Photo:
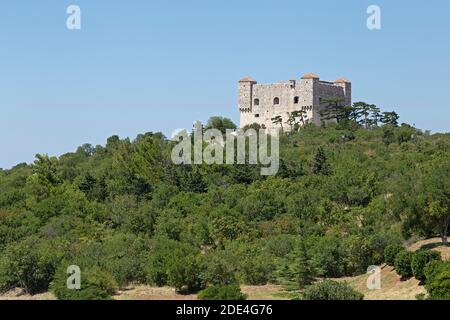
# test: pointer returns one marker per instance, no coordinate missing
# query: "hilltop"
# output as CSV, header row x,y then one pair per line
x,y
126,215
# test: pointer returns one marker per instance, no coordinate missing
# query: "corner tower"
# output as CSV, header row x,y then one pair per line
x,y
245,99
347,86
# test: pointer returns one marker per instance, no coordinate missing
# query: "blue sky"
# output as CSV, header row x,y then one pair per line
x,y
138,66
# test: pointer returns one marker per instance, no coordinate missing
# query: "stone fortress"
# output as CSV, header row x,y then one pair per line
x,y
259,103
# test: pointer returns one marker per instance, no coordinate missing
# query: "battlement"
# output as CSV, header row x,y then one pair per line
x,y
260,103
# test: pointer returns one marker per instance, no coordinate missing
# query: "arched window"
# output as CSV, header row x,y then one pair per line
x,y
296,99
256,102
276,101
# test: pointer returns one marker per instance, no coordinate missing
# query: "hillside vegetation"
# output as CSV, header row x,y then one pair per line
x,y
125,214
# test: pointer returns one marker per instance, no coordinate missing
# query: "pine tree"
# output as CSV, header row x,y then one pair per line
x,y
320,164
304,272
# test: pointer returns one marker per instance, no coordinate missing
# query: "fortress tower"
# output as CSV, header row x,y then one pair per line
x,y
259,103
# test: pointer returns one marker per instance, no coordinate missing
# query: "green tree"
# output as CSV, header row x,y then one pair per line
x,y
305,273
278,121
403,264
420,260
429,210
220,123
438,280
29,264
390,118
320,163
390,253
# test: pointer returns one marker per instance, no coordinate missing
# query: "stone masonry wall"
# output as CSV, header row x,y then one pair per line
x,y
257,101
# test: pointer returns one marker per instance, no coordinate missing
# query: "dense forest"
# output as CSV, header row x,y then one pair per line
x,y
345,193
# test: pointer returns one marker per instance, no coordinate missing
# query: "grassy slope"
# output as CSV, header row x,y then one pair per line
x,y
392,288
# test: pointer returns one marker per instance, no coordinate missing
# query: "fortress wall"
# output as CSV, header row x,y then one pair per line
x,y
266,93
325,90
308,90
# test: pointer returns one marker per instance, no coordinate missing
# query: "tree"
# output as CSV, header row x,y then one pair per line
x,y
437,190
403,264
375,116
438,280
301,114
320,163
429,207
367,114
220,123
390,118
420,260
255,126
29,264
183,273
388,135
390,252
278,120
220,268
305,274
334,110
291,122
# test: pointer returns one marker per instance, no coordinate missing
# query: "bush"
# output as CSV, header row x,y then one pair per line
x,y
227,292
125,257
220,268
174,263
403,264
328,257
95,284
420,260
256,269
438,280
184,274
331,290
29,265
390,252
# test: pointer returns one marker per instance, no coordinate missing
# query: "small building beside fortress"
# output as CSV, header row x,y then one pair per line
x,y
259,103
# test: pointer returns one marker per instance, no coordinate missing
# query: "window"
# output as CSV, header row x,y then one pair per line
x,y
256,102
256,115
276,101
296,99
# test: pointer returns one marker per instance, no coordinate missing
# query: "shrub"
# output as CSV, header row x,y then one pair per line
x,y
420,259
328,257
256,269
331,290
220,268
226,292
173,263
438,280
125,256
390,252
403,264
29,265
184,274
95,285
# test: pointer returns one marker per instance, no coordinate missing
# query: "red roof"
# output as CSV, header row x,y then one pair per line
x,y
247,79
342,80
310,76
